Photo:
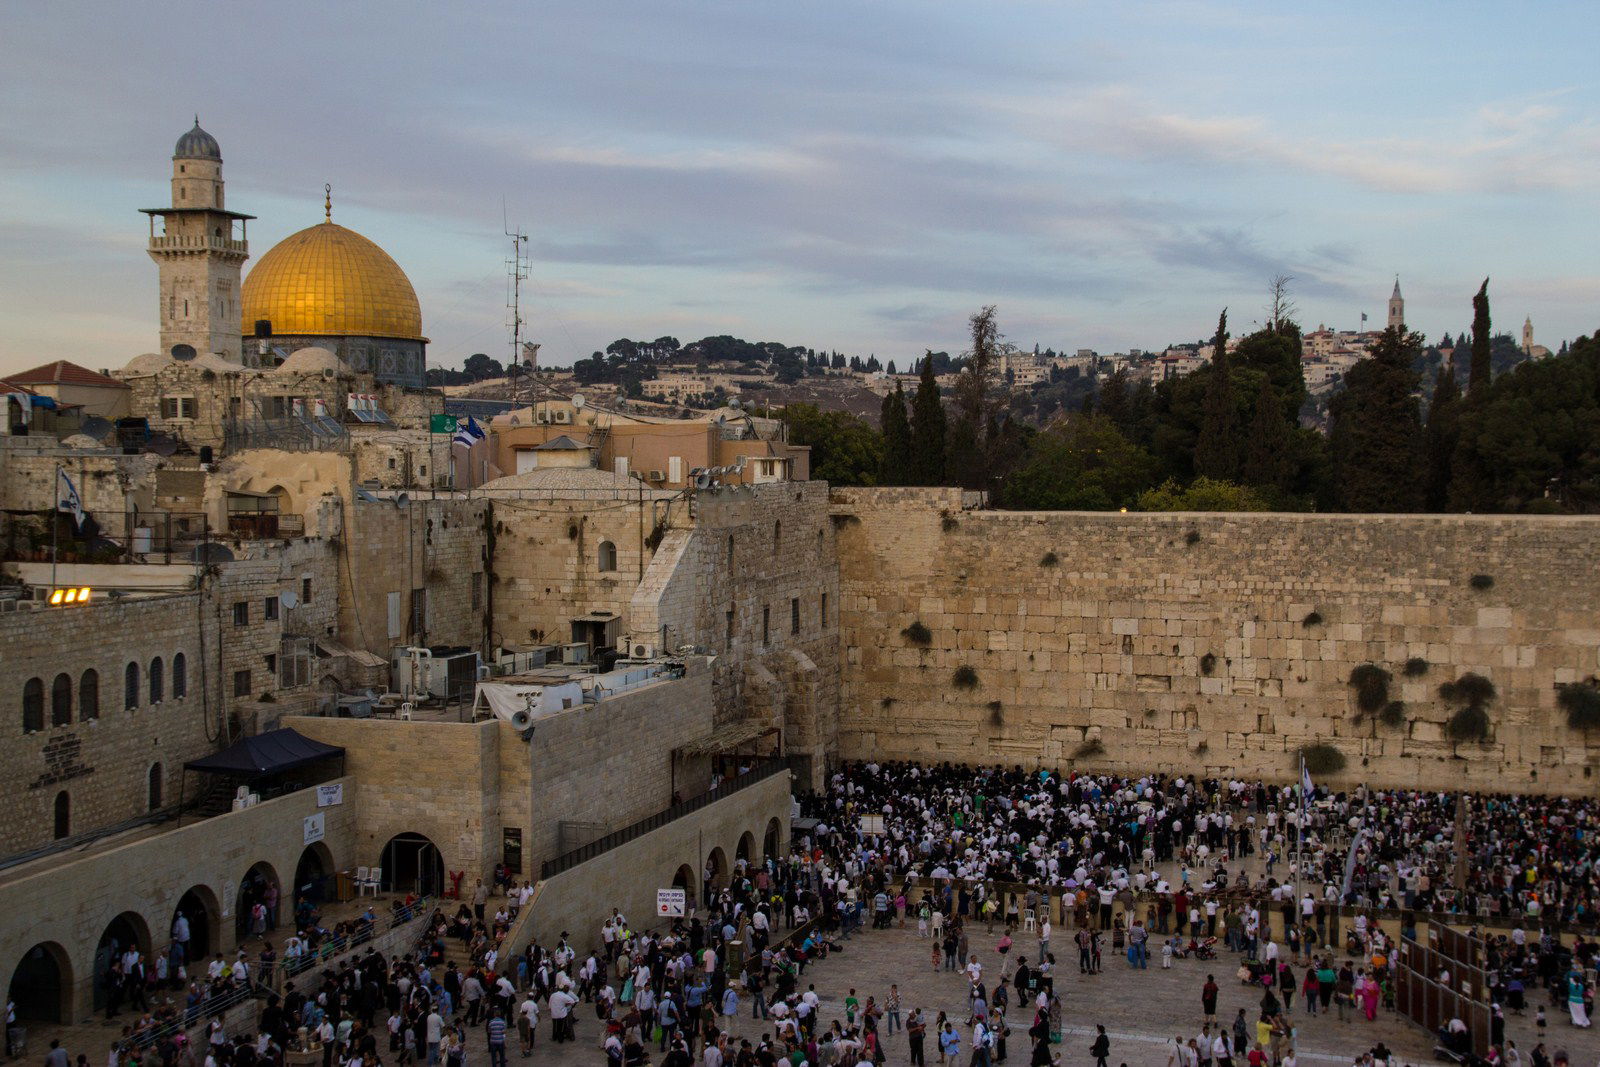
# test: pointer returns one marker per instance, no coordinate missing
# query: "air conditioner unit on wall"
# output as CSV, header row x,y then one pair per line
x,y
656,476
642,650
561,416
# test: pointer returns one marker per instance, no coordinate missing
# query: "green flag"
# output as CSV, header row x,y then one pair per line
x,y
441,424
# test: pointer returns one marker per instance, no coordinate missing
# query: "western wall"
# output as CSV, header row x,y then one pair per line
x,y
1212,643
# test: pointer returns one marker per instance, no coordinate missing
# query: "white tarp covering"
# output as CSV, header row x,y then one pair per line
x,y
505,700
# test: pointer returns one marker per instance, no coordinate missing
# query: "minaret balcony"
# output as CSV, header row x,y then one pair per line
x,y
197,243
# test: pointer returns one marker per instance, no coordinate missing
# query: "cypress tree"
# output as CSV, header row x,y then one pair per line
x,y
1216,451
1376,434
1482,368
1267,454
927,430
1114,402
896,439
1441,434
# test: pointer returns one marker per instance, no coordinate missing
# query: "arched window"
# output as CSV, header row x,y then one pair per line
x,y
89,696
61,701
608,556
777,534
130,687
33,705
180,677
63,815
155,787
157,681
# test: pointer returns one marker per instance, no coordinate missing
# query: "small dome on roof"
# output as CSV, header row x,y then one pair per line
x,y
312,361
197,144
148,363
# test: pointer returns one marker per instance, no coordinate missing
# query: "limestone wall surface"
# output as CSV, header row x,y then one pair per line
x,y
1215,643
577,901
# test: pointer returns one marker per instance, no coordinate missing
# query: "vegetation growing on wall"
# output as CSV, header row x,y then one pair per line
x,y
964,677
917,634
1322,758
1581,702
1371,683
1470,722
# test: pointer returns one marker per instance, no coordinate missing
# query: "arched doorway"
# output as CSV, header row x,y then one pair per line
x,y
201,921
684,879
41,986
258,886
715,873
412,864
127,932
747,845
311,875
772,841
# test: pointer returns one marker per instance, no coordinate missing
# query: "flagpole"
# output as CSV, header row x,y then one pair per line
x,y
55,526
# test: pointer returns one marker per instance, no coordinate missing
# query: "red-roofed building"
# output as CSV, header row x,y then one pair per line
x,y
67,383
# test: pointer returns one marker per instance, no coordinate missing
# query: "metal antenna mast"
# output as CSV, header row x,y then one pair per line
x,y
516,274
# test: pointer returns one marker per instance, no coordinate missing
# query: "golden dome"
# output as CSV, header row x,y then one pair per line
x,y
332,282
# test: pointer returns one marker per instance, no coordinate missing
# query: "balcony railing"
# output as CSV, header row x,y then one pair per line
x,y
196,243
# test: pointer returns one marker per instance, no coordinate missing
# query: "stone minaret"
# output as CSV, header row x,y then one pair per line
x,y
1397,306
198,253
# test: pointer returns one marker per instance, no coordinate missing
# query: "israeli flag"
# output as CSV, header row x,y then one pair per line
x,y
67,498
470,434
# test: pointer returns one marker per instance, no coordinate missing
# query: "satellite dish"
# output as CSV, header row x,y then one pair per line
x,y
211,552
289,598
733,402
162,445
98,428
702,481
183,353
578,401
401,500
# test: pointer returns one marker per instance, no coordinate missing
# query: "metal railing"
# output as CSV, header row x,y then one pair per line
x,y
569,860
333,947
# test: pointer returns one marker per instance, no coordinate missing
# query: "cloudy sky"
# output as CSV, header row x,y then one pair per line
x,y
858,175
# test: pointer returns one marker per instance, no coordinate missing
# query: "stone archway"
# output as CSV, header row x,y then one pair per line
x,y
202,921
715,873
412,864
684,879
311,875
260,885
41,986
772,840
127,931
746,848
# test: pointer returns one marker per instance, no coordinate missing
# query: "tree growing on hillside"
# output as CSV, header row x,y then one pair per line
x,y
1376,434
844,449
927,429
1482,364
970,462
1441,436
1081,463
1266,459
1216,452
896,428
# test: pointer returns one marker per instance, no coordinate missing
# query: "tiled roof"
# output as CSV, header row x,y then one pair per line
x,y
61,372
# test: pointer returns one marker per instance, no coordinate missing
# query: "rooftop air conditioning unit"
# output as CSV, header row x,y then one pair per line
x,y
642,650
541,417
561,416
656,476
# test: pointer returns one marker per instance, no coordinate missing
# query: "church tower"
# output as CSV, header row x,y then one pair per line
x,y
198,253
1397,306
1527,336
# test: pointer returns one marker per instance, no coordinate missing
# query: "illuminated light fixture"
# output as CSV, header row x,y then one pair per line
x,y
55,597
83,595
71,596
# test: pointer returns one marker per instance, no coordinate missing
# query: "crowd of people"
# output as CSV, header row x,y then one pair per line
x,y
1140,872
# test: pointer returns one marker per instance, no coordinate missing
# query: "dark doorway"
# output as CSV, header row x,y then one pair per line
x,y
311,874
201,916
412,864
127,931
258,886
41,986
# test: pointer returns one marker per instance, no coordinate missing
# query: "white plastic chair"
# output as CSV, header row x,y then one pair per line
x,y
1030,922
372,881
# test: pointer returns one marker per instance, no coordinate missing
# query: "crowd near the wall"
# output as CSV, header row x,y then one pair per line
x,y
1141,871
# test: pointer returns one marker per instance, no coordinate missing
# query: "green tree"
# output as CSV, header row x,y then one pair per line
x,y
1482,363
896,426
1441,436
1267,457
845,450
1114,402
1203,494
1532,441
479,366
927,429
1376,429
1276,353
1216,452
968,462
1081,463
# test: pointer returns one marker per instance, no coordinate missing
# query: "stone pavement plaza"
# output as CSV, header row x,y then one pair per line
x,y
1141,1010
